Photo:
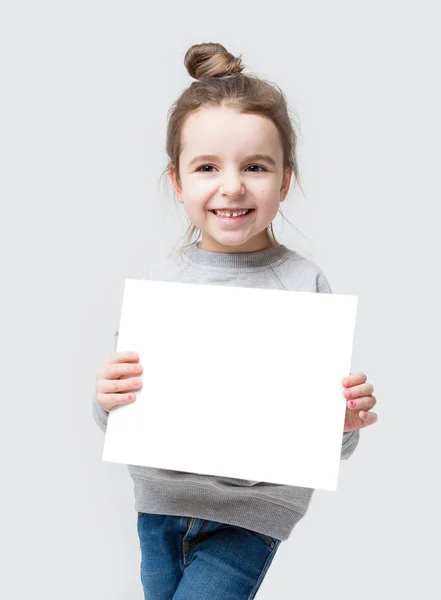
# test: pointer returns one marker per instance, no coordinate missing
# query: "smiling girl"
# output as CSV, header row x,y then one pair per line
x,y
232,156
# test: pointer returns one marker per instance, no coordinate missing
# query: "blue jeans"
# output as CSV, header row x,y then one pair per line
x,y
185,558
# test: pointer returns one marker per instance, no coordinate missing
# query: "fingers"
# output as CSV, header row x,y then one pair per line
x,y
122,370
115,386
363,406
364,403
369,418
121,357
110,401
359,390
118,380
119,365
354,379
115,392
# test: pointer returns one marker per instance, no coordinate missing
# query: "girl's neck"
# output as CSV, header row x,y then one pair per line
x,y
211,245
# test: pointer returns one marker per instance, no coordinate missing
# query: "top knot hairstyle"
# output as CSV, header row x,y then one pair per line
x,y
220,82
211,60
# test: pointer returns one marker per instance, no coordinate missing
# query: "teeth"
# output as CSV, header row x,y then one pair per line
x,y
228,214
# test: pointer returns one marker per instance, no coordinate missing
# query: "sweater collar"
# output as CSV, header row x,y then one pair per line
x,y
259,258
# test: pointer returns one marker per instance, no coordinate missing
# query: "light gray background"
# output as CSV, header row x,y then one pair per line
x,y
85,91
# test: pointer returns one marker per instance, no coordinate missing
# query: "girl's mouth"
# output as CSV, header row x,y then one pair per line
x,y
238,219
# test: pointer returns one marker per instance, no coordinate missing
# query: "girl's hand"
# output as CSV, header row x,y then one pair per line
x,y
359,398
118,379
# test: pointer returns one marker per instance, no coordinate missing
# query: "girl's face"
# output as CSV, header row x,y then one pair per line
x,y
220,169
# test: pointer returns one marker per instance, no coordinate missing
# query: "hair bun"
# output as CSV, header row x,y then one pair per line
x,y
211,60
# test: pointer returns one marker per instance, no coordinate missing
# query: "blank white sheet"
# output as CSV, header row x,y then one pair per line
x,y
237,382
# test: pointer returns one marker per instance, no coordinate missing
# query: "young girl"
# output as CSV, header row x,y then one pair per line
x,y
232,152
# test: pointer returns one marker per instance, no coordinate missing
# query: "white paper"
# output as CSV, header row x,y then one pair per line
x,y
237,382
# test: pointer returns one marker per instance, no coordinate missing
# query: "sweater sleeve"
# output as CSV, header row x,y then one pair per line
x,y
351,438
350,442
99,414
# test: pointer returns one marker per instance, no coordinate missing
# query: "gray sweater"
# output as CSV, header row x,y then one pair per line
x,y
267,508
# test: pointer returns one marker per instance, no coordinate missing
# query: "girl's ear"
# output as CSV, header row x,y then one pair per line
x,y
172,175
285,183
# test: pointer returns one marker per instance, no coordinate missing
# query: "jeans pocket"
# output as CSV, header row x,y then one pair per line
x,y
271,542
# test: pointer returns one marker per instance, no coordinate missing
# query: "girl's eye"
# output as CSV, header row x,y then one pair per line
x,y
203,167
211,166
258,166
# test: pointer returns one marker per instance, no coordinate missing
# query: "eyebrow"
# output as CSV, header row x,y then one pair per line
x,y
203,157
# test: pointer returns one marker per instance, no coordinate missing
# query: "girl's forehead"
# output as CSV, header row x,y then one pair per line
x,y
225,114
225,127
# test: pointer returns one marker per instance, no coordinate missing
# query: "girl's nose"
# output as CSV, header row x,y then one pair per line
x,y
233,187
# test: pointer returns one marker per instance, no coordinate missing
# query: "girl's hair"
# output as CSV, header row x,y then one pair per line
x,y
209,64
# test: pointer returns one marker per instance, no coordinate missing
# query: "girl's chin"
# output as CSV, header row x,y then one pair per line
x,y
232,241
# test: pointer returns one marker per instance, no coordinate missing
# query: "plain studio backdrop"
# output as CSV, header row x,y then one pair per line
x,y
85,91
